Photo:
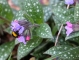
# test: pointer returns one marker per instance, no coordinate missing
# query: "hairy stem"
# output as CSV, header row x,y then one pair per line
x,y
58,34
4,19
6,23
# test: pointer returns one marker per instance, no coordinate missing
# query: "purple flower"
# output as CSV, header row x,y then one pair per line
x,y
21,39
18,28
21,30
69,28
15,26
69,2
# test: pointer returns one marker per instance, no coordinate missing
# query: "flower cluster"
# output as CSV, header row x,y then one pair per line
x,y
18,28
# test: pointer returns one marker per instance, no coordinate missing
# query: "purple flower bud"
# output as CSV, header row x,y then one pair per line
x,y
69,28
69,2
27,38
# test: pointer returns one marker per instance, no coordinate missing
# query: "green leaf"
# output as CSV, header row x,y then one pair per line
x,y
65,52
73,35
75,40
32,8
6,49
44,31
5,11
38,52
76,12
50,58
47,12
53,2
29,18
18,15
24,50
54,30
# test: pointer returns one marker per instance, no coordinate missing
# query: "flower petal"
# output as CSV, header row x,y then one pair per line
x,y
69,24
69,30
69,2
21,39
15,26
21,30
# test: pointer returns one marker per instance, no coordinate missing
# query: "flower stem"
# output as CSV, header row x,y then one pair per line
x,y
68,6
58,35
4,19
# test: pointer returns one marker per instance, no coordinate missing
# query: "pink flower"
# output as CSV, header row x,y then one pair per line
x,y
27,38
69,28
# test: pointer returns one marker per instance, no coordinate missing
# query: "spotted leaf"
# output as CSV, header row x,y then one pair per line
x,y
47,12
5,11
32,8
18,15
44,31
75,39
24,50
6,49
64,52
76,11
48,9
73,35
